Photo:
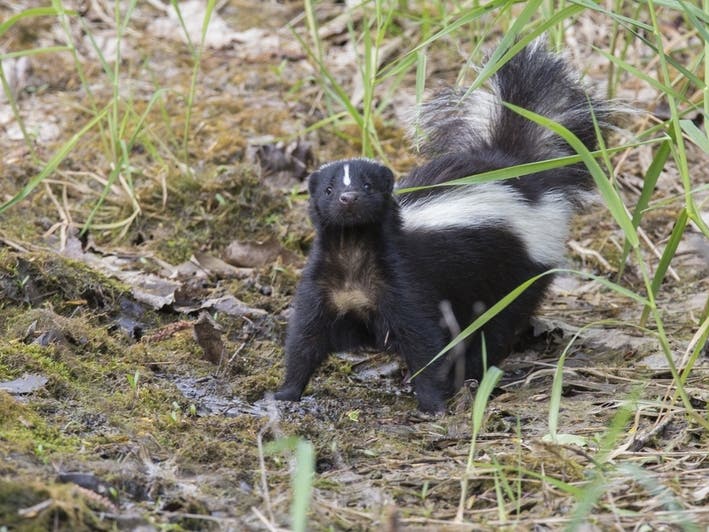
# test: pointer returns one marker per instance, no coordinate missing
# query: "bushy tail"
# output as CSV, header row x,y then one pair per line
x,y
535,79
468,134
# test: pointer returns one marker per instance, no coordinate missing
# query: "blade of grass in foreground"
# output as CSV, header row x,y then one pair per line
x,y
495,62
679,152
33,12
301,478
666,258
468,16
694,133
557,385
302,485
482,396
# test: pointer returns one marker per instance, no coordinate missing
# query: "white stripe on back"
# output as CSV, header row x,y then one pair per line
x,y
542,225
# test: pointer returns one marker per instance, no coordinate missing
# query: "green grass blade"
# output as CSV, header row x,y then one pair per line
x,y
33,12
541,29
469,15
482,397
619,17
699,25
674,4
636,72
515,293
556,389
667,256
302,485
520,170
330,84
36,51
649,182
679,151
557,384
698,342
495,62
695,134
197,61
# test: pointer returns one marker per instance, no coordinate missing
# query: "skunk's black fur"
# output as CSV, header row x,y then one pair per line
x,y
379,269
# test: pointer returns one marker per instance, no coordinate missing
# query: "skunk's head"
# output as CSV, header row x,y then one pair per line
x,y
350,192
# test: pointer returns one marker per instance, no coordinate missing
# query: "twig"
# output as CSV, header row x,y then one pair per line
x,y
32,511
586,252
14,245
263,519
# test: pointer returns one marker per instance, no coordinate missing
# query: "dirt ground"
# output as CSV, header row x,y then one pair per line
x,y
135,357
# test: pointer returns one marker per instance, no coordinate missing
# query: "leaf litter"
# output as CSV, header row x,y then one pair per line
x,y
139,366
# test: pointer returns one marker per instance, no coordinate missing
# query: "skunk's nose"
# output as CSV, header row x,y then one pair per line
x,y
348,198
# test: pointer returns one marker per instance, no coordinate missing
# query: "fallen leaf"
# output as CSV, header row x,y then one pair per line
x,y
208,335
218,268
253,254
227,304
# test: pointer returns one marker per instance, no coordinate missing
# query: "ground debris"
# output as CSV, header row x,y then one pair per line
x,y
285,165
26,384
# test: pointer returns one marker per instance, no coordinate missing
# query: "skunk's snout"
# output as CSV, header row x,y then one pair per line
x,y
348,198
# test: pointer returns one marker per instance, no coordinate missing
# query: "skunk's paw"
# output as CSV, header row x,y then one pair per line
x,y
287,393
431,404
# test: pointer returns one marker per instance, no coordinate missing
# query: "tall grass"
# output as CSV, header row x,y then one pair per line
x,y
116,122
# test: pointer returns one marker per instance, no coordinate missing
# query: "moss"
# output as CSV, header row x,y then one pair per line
x,y
31,506
26,430
209,210
10,410
217,440
16,496
65,283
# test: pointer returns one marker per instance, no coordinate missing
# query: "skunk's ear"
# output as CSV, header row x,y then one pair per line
x,y
313,182
387,179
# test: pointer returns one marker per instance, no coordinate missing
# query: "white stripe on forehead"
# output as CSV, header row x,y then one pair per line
x,y
346,176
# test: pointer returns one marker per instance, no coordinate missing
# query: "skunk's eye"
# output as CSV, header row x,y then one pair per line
x,y
367,187
328,190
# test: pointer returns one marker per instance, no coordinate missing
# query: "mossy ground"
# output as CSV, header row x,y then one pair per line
x,y
175,439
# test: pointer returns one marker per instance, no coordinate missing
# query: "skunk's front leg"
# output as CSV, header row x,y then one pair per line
x,y
432,385
307,344
418,338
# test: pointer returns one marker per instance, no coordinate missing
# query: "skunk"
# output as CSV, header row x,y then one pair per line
x,y
380,267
